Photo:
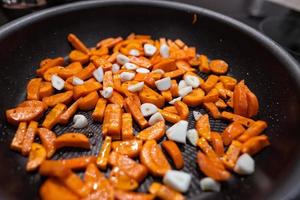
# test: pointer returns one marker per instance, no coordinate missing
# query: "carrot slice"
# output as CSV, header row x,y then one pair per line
x,y
218,66
147,95
115,121
17,141
174,88
45,90
91,176
99,52
255,129
141,61
228,82
175,73
70,70
212,96
203,127
52,71
255,144
169,116
171,109
166,64
253,104
182,109
153,158
116,98
52,117
124,195
237,118
213,110
75,184
103,155
221,104
37,155
165,193
29,137
231,132
183,65
78,56
86,88
240,103
217,143
89,101
59,61
232,154
210,82
127,129
167,95
120,180
130,148
72,140
108,79
174,152
133,169
204,65
67,114
154,132
98,113
47,138
134,109
77,43
194,98
33,88
65,98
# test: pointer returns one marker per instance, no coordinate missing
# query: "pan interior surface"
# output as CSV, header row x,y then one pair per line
x,y
270,74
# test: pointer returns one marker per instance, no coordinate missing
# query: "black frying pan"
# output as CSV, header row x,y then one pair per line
x,y
269,71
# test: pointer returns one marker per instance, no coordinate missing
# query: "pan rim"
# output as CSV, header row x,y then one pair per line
x,y
288,189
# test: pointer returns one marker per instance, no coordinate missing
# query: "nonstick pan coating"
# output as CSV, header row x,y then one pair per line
x,y
267,69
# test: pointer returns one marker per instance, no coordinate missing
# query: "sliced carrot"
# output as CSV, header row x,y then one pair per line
x,y
130,148
45,90
86,88
33,88
213,110
167,95
52,117
210,169
70,70
218,66
237,118
183,65
101,61
154,132
77,43
116,98
233,131
169,116
255,129
78,56
133,169
120,180
204,65
67,114
37,155
17,141
228,82
212,96
240,102
153,158
135,111
222,91
210,82
109,42
59,61
203,127
209,152
117,83
141,61
221,104
252,101
98,113
99,52
29,137
75,184
194,98
115,121
182,109
217,143
89,101
65,98
91,177
84,74
232,154
52,71
174,152
48,139
175,73
124,195
106,120
150,79
108,79
72,140
127,129
255,144
103,155
166,64
174,88
53,188
165,193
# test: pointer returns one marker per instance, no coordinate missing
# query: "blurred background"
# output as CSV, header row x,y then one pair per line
x,y
278,19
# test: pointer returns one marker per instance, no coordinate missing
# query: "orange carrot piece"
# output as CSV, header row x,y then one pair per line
x,y
37,155
108,79
85,73
92,176
70,70
127,129
237,118
45,90
228,82
100,52
116,98
47,138
89,101
98,113
217,143
78,56
210,82
120,180
169,116
115,121
194,98
255,129
33,88
174,152
52,71
240,103
255,144
221,104
77,43
109,42
135,111
52,117
232,154
171,109
68,114
165,193
59,61
154,132
105,124
174,88
75,184
209,152
29,137
233,131
166,64
65,98
104,152
203,127
141,61
86,88
72,140
252,101
175,73
182,109
130,148
213,110
167,95
17,141
212,96
218,66
183,65
204,65
124,195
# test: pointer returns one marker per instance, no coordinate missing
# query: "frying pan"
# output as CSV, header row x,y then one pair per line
x,y
268,70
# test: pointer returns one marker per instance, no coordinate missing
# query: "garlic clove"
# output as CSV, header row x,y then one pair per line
x,y
178,131
77,81
149,49
178,180
163,84
185,91
192,81
127,76
173,101
98,74
122,59
57,82
80,121
136,87
107,92
192,136
148,109
156,117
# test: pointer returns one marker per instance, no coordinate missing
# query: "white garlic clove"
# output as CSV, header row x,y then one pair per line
x,y
164,51
142,70
177,180
197,115
185,91
192,136
192,81
130,66
127,76
148,109
136,87
245,165
98,74
80,121
77,81
122,59
158,71
182,84
57,82
134,52
156,117
209,184
178,131
149,49
163,84
115,68
107,92
173,101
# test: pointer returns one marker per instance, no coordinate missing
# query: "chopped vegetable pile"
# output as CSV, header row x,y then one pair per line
x,y
144,81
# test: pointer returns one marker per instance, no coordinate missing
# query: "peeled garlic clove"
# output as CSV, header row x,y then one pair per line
x,y
77,81
178,180
192,81
98,74
182,84
115,68
164,51
122,59
107,92
178,131
149,49
148,109
134,52
192,136
157,117
136,87
130,66
245,165
185,91
80,121
142,70
163,84
158,71
209,184
57,82
173,101
127,76
197,115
